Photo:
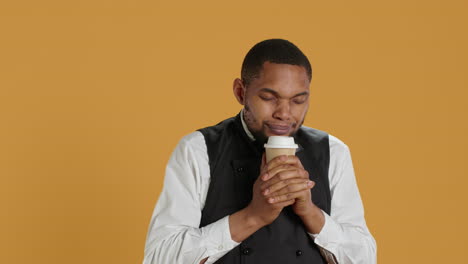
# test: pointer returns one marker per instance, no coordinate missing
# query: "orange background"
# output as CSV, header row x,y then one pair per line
x,y
94,96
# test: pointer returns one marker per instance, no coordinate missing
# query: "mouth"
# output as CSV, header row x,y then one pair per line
x,y
279,130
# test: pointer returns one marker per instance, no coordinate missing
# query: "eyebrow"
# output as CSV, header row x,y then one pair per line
x,y
268,90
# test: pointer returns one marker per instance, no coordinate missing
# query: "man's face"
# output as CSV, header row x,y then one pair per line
x,y
277,101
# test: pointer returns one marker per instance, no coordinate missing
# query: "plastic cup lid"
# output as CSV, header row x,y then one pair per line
x,y
280,142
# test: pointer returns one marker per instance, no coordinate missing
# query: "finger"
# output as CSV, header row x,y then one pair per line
x,y
287,197
276,184
276,161
278,169
291,188
271,173
280,160
286,186
290,159
285,203
280,176
284,175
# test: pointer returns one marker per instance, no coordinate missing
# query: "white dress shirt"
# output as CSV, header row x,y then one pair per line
x,y
174,235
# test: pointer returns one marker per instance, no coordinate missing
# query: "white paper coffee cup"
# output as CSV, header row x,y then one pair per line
x,y
279,145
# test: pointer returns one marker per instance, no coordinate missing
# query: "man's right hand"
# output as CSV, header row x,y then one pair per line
x,y
258,213
260,208
262,211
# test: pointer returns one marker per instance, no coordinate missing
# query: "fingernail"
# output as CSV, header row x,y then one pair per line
x,y
310,183
267,191
265,176
271,200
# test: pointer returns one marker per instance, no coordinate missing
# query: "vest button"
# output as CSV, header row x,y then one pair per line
x,y
240,169
246,251
299,253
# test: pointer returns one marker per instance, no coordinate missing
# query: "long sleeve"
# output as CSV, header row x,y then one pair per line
x,y
345,238
174,235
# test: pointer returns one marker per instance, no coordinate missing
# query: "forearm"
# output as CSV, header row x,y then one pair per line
x,y
242,224
338,242
175,249
188,244
349,243
314,220
345,233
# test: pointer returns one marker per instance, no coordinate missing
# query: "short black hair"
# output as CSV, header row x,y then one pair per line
x,y
278,51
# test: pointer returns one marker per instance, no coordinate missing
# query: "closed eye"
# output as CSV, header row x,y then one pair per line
x,y
299,101
266,98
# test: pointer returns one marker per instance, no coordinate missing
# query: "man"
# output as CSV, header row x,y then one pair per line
x,y
221,201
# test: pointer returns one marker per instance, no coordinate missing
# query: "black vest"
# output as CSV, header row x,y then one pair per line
x,y
235,165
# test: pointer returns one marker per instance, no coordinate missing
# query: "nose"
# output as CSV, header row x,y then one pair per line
x,y
282,111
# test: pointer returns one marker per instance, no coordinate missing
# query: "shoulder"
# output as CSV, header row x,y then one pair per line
x,y
191,153
310,135
194,141
313,132
340,154
336,144
217,130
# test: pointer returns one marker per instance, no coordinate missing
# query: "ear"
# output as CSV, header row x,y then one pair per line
x,y
239,90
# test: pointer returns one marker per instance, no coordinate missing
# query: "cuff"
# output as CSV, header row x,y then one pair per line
x,y
327,239
329,235
219,240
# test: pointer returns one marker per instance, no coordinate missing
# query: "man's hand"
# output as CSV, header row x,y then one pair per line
x,y
282,182
261,205
259,213
287,179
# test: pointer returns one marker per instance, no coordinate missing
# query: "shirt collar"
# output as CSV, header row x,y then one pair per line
x,y
244,125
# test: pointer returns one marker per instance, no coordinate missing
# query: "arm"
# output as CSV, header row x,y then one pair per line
x,y
174,235
344,235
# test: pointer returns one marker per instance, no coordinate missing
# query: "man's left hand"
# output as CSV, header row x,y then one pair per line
x,y
287,179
